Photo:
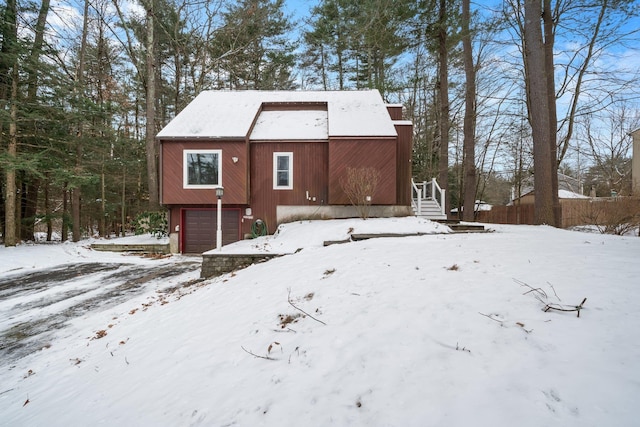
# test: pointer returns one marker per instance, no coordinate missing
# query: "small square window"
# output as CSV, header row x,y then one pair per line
x,y
282,171
202,168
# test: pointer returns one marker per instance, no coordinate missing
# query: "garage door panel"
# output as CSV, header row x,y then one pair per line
x,y
200,225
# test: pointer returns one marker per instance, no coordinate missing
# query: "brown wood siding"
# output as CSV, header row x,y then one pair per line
x,y
395,111
174,218
309,174
356,153
234,175
199,228
404,155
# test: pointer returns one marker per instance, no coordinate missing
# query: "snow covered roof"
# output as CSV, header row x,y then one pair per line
x,y
480,206
566,194
230,114
288,124
562,194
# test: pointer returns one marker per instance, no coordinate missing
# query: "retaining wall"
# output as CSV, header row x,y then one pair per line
x,y
217,264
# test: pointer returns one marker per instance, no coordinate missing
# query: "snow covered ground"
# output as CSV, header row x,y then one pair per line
x,y
434,330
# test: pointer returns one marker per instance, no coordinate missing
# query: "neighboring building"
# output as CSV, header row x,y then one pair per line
x,y
480,206
279,156
529,198
566,183
635,163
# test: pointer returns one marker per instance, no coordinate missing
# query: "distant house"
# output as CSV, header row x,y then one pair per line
x,y
529,197
279,156
566,184
480,206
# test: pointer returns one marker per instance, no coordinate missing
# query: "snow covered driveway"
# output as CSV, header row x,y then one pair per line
x,y
35,304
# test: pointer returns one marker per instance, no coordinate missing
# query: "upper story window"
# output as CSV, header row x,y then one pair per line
x,y
282,171
202,168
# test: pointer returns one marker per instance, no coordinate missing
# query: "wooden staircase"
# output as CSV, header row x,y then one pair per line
x,y
428,200
429,209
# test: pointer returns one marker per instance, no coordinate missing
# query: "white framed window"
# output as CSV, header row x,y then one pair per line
x,y
282,171
202,168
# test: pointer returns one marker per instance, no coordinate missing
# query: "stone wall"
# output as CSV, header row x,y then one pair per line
x,y
217,264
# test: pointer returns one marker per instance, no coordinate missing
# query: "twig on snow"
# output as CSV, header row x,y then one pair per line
x,y
257,355
557,307
541,296
489,316
554,291
462,349
301,310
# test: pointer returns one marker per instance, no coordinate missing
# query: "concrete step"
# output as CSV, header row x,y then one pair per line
x,y
458,227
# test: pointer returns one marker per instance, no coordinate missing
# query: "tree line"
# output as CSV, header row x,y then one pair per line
x,y
496,93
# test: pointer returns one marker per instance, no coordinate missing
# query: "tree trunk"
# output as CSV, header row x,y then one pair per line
x,y
534,56
64,235
29,204
549,41
151,146
10,238
443,96
123,209
76,194
103,206
47,208
9,67
75,214
469,146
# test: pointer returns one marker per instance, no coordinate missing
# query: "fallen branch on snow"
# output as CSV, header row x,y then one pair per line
x,y
257,355
301,310
558,307
541,296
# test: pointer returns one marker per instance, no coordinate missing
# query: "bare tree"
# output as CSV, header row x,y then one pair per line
x,y
609,147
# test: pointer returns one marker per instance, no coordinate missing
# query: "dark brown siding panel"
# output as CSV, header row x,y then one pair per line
x,y
309,176
174,218
234,174
405,150
395,111
376,153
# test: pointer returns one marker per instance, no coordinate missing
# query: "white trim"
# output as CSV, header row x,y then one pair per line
x,y
185,169
275,171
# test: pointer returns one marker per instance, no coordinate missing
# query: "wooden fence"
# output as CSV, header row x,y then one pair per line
x,y
601,211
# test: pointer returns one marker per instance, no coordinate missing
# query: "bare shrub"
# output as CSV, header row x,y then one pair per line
x,y
360,185
618,215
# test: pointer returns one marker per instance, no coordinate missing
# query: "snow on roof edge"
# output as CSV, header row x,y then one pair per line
x,y
214,113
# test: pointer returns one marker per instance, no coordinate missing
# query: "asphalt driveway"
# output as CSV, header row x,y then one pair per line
x,y
33,306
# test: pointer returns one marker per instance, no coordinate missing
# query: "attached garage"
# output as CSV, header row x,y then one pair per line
x,y
199,229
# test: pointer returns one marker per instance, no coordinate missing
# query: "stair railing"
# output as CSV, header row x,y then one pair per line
x,y
427,190
435,189
416,196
